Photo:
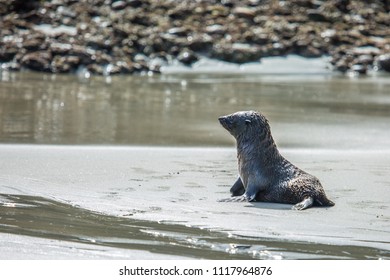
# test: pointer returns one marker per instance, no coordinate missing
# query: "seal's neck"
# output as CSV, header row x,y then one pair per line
x,y
262,149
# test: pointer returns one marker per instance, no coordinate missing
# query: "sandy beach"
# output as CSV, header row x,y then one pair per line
x,y
182,185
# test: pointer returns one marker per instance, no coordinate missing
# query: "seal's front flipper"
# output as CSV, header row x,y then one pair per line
x,y
241,198
237,188
304,204
250,197
251,192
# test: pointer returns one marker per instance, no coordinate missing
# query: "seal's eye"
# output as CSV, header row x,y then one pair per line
x,y
247,121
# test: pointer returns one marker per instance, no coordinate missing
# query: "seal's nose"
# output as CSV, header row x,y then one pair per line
x,y
224,121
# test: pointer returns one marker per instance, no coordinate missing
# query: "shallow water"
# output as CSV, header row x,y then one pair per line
x,y
315,111
336,112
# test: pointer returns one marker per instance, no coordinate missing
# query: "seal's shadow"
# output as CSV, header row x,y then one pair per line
x,y
269,205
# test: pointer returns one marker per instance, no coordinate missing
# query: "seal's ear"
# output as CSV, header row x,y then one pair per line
x,y
247,121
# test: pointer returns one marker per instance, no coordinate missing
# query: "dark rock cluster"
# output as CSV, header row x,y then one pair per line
x,y
126,36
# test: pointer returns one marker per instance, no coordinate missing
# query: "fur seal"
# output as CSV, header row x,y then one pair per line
x,y
265,175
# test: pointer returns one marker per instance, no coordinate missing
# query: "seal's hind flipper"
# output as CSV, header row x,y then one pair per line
x,y
322,200
304,204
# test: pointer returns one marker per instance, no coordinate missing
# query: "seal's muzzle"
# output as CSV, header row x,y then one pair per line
x,y
225,122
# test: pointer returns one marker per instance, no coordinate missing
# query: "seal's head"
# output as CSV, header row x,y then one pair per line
x,y
245,123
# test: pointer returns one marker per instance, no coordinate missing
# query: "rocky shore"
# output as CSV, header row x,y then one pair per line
x,y
128,36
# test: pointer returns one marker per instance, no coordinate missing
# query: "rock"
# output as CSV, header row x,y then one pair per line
x,y
178,31
342,5
365,59
11,66
359,68
310,52
99,42
277,48
228,3
22,24
155,66
200,43
141,58
60,48
329,35
365,51
118,5
66,12
107,35
282,9
215,29
7,53
258,36
179,13
236,53
22,5
33,44
95,69
244,12
86,55
122,30
64,64
383,62
341,65
135,3
218,11
125,67
140,66
187,57
39,61
111,69
316,15
142,20
103,58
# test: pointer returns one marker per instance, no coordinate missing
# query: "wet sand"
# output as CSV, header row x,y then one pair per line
x,y
182,186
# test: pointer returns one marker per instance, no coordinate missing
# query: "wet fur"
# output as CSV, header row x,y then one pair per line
x,y
265,175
